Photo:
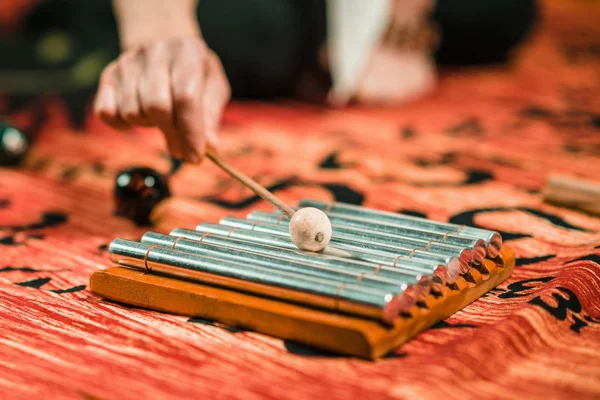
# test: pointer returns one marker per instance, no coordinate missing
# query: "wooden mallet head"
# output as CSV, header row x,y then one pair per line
x,y
310,229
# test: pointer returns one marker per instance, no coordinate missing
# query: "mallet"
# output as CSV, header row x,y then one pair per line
x,y
310,228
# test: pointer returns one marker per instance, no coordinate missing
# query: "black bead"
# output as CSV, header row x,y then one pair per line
x,y
137,191
13,145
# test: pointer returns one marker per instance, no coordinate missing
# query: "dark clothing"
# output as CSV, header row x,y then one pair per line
x,y
266,46
481,31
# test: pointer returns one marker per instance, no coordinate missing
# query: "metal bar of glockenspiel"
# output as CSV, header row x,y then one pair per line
x,y
275,263
446,269
477,246
409,270
347,298
464,255
420,284
363,246
276,244
492,239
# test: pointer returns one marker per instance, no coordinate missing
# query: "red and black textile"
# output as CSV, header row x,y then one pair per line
x,y
476,152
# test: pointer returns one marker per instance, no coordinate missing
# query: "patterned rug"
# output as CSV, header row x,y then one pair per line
x,y
477,152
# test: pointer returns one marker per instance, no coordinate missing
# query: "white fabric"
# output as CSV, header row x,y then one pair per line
x,y
355,28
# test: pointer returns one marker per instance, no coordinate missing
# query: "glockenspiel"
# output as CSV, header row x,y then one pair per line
x,y
384,278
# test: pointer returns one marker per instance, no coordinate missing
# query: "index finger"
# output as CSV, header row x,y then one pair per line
x,y
188,80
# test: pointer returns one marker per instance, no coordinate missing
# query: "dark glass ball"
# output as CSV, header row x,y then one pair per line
x,y
137,191
13,145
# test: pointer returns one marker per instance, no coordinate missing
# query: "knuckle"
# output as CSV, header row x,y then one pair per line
x,y
105,114
186,98
187,87
129,112
158,105
220,97
129,56
127,65
185,73
226,90
222,90
142,53
199,48
100,108
126,98
190,49
223,84
110,119
154,51
214,59
177,45
106,77
129,116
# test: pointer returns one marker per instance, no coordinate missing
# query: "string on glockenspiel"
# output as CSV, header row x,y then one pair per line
x,y
300,288
281,248
448,268
476,247
365,232
345,234
385,268
411,268
492,239
268,261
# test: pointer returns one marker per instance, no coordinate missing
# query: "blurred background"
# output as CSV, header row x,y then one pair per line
x,y
61,46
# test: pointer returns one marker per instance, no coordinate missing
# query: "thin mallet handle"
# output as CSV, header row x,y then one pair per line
x,y
252,184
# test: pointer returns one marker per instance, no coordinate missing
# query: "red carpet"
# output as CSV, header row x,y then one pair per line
x,y
477,152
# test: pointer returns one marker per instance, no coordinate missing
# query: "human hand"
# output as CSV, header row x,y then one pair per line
x,y
177,85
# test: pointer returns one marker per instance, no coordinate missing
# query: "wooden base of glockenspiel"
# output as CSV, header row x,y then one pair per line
x,y
337,333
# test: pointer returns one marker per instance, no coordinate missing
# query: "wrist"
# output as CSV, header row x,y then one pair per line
x,y
135,35
153,20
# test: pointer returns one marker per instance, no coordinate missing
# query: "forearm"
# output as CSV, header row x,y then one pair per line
x,y
142,21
